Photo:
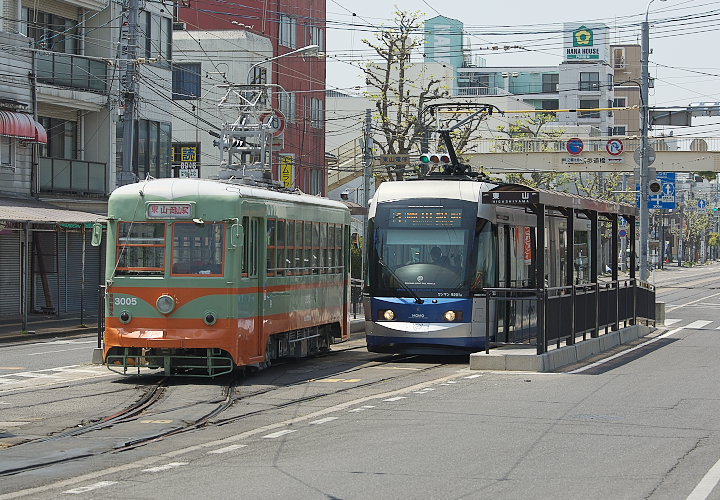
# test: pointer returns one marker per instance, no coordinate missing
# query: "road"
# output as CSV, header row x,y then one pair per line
x,y
642,424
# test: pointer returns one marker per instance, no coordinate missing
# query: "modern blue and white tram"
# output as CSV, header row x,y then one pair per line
x,y
432,247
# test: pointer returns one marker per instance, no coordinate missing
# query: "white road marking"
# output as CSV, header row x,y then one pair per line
x,y
706,484
232,447
473,376
396,398
698,324
58,350
85,489
362,408
161,468
670,322
4,380
278,434
323,420
34,375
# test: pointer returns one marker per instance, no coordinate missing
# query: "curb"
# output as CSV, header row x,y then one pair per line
x,y
18,337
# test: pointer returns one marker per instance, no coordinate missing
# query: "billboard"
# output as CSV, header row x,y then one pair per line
x,y
589,42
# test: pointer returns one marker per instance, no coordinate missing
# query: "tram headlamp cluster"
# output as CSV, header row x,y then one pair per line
x,y
388,314
453,316
125,317
165,304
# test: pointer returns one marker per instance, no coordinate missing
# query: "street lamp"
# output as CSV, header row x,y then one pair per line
x,y
307,50
645,153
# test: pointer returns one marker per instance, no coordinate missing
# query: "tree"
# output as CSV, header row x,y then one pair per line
x,y
401,92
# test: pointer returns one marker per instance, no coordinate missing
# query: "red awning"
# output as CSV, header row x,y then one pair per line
x,y
22,126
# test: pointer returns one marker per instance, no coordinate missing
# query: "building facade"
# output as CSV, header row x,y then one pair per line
x,y
289,27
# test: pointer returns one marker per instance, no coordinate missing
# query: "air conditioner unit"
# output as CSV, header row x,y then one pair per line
x,y
179,26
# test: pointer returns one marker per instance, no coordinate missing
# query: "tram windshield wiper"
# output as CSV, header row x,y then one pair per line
x,y
418,300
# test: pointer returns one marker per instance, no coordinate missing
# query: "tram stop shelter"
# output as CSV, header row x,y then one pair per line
x,y
576,310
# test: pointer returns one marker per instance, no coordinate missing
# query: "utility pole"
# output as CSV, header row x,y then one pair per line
x,y
644,156
129,88
367,176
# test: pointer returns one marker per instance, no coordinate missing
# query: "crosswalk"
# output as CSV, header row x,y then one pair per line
x,y
51,376
698,324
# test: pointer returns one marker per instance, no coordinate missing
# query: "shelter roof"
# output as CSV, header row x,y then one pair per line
x,y
39,212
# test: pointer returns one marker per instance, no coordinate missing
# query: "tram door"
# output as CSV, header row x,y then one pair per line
x,y
517,316
251,295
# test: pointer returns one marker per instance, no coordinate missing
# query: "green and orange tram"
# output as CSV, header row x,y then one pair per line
x,y
206,276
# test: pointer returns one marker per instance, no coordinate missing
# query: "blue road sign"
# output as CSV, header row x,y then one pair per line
x,y
622,221
574,146
665,200
622,233
702,204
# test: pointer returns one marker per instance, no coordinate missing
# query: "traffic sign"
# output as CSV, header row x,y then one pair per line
x,y
574,146
274,121
396,159
622,221
622,233
665,199
702,204
637,156
614,147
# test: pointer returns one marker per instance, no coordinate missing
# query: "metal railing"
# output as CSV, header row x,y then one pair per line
x,y
592,144
543,317
76,72
58,175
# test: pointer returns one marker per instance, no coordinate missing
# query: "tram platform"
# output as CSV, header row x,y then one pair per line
x,y
525,357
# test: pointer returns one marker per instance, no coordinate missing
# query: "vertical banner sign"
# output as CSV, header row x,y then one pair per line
x,y
287,170
527,241
186,160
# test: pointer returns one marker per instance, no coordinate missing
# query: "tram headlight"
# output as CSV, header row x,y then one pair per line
x,y
209,318
165,304
388,314
450,316
125,317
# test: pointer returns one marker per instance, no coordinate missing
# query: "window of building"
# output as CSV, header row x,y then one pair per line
x,y
6,150
618,57
288,31
258,76
186,81
317,37
153,150
610,105
619,130
156,36
62,138
550,82
620,102
287,106
589,104
589,81
317,119
50,32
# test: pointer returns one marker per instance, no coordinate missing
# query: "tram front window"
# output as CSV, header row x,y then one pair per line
x,y
424,250
140,248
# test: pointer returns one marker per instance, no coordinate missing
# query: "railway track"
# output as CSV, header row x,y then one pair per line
x,y
166,401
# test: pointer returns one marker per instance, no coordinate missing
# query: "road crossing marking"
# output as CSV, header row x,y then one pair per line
x,y
706,484
323,420
698,324
232,447
669,322
85,489
161,468
278,434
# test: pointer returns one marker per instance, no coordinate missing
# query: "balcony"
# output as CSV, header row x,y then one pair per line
x,y
70,71
470,91
58,175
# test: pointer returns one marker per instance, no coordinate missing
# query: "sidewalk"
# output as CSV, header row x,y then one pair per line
x,y
42,327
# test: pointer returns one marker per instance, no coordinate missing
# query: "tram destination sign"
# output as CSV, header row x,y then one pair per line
x,y
510,198
167,210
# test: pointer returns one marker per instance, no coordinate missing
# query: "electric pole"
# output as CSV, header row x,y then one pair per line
x,y
129,88
644,153
367,176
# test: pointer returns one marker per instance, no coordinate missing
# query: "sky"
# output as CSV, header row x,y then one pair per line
x,y
684,38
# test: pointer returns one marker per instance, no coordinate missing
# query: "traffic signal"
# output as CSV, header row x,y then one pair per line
x,y
435,158
654,186
715,210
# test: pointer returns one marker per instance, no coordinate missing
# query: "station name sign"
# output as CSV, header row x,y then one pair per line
x,y
518,198
164,210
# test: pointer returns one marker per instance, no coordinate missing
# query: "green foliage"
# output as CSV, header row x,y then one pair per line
x,y
714,240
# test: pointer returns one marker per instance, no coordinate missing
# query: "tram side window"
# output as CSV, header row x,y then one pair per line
x,y
140,248
322,253
198,249
487,258
271,235
339,237
308,248
330,248
298,247
281,248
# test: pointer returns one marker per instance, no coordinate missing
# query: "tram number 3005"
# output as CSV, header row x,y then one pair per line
x,y
125,301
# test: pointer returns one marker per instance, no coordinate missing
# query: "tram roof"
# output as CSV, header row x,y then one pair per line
x,y
509,194
180,188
